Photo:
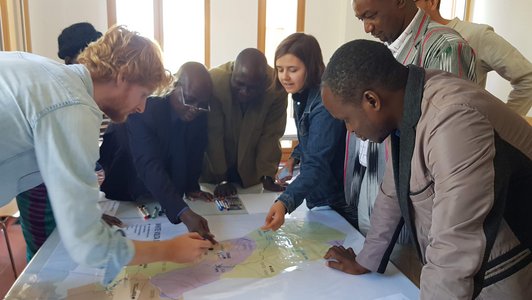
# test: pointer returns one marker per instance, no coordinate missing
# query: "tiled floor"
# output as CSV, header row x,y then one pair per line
x,y
18,247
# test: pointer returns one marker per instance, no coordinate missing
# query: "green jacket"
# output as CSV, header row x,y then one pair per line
x,y
249,141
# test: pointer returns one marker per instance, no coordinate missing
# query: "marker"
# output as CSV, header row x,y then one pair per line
x,y
144,212
219,205
155,212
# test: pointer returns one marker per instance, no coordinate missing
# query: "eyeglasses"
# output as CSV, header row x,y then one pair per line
x,y
206,107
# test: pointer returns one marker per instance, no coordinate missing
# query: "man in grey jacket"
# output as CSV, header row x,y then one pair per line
x,y
458,178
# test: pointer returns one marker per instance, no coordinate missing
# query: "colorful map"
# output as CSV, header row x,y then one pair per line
x,y
258,255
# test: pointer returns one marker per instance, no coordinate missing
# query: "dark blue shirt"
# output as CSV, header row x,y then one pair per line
x,y
321,152
154,154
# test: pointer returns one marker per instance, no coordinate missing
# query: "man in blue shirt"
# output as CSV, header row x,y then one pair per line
x,y
159,154
51,115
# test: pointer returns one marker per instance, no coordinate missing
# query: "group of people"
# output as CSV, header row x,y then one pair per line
x,y
415,158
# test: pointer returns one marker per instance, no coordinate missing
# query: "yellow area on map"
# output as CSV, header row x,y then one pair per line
x,y
296,242
260,254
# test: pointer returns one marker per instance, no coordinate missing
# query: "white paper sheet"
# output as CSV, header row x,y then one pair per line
x,y
109,207
153,229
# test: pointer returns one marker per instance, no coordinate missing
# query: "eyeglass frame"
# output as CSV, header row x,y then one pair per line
x,y
189,106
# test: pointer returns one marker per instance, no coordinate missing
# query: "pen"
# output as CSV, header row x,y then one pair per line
x,y
219,205
155,212
143,212
210,238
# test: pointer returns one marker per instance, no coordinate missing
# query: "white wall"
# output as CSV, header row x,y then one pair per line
x,y
512,21
48,18
333,23
233,28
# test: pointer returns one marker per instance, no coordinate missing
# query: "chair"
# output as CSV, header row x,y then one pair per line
x,y
8,212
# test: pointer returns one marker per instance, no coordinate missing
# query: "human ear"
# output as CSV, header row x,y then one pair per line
x,y
401,3
371,100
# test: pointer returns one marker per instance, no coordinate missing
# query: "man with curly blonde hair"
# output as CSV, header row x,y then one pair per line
x,y
51,114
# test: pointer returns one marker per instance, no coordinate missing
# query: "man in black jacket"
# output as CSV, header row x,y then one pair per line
x,y
158,154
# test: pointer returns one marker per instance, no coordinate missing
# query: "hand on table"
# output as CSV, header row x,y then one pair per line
x,y
200,195
344,260
197,223
224,189
110,220
286,173
270,185
188,247
275,218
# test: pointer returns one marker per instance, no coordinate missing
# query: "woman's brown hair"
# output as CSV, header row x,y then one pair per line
x,y
307,49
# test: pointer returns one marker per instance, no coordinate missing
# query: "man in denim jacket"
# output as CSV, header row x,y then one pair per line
x,y
50,117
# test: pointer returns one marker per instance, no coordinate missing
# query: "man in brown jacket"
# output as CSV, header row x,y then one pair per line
x,y
246,123
460,174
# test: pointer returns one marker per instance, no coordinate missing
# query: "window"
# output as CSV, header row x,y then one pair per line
x,y
277,20
136,15
451,9
179,26
3,28
182,28
183,34
14,26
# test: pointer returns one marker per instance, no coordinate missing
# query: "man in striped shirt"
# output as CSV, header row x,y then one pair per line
x,y
413,39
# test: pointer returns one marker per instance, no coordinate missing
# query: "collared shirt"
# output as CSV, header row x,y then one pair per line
x,y
395,47
154,154
50,126
399,43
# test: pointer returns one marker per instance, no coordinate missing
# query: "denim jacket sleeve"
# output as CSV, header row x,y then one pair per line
x,y
66,148
296,153
324,131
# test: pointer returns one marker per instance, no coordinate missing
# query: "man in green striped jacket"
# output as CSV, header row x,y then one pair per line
x,y
412,38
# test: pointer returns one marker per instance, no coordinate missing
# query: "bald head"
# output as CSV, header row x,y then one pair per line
x,y
194,88
250,75
194,75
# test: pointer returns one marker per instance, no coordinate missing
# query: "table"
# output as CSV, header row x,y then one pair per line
x,y
312,281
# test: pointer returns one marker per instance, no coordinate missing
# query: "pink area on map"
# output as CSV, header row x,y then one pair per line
x,y
174,283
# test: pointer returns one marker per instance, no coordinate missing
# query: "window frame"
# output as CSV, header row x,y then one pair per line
x,y
159,28
11,38
261,23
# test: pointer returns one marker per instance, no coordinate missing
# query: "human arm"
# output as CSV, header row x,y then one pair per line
x,y
499,55
196,139
386,223
182,249
275,217
324,134
344,260
457,237
66,148
286,173
269,146
150,165
454,55
215,165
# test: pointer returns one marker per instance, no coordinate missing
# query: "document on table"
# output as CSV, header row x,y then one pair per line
x,y
109,207
153,230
